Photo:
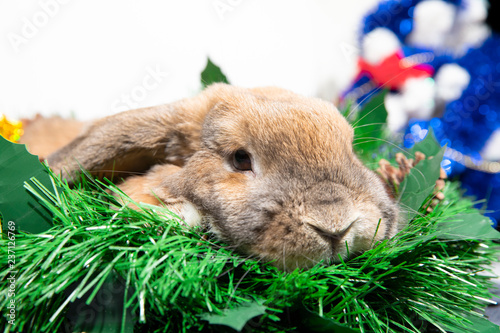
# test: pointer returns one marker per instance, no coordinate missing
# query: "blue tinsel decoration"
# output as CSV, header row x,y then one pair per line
x,y
468,122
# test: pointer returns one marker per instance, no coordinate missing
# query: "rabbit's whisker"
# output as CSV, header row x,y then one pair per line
x,y
138,173
383,86
383,140
367,125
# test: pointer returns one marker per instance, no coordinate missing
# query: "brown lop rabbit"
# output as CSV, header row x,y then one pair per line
x,y
266,170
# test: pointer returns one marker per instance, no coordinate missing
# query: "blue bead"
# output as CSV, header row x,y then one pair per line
x,y
445,142
436,123
405,26
411,11
491,116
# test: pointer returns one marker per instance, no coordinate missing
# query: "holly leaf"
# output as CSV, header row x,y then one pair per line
x,y
370,125
17,204
314,323
475,324
429,145
236,318
212,74
420,182
467,227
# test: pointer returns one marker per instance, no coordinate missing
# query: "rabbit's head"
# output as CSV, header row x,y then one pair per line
x,y
270,172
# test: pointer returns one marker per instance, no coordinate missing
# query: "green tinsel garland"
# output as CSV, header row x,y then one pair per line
x,y
104,267
172,279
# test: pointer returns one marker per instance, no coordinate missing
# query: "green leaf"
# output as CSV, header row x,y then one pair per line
x,y
17,204
314,323
428,146
420,183
476,325
370,124
236,318
481,325
467,227
212,74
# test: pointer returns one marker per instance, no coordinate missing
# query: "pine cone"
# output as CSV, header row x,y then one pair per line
x,y
438,195
395,176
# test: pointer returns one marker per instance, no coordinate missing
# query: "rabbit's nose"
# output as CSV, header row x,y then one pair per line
x,y
329,230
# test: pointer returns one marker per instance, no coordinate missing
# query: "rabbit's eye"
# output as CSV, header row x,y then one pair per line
x,y
242,161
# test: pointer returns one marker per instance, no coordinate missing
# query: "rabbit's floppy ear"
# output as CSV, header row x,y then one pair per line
x,y
44,135
133,141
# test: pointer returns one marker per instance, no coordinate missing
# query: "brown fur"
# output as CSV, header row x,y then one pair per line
x,y
307,196
43,136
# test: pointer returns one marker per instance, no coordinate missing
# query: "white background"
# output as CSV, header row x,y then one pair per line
x,y
92,58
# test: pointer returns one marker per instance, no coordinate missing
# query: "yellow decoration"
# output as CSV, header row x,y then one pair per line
x,y
9,129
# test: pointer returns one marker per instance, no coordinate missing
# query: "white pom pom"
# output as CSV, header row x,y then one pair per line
x,y
491,151
474,11
418,97
433,20
397,118
379,44
451,80
470,29
415,100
